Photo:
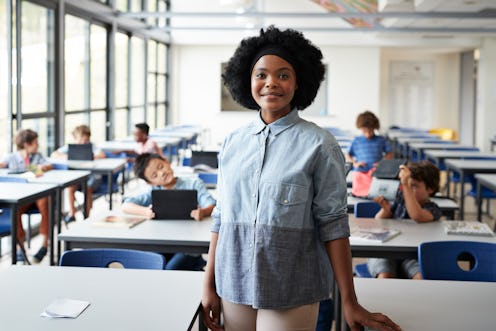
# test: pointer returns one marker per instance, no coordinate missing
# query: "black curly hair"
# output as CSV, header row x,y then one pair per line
x,y
305,58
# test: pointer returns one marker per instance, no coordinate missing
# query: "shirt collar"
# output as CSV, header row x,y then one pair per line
x,y
276,127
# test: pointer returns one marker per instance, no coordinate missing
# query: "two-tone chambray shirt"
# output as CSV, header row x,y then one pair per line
x,y
281,197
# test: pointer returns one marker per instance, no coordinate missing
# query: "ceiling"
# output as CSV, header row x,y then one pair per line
x,y
428,23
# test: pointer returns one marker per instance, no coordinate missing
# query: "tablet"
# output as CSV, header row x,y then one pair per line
x,y
174,204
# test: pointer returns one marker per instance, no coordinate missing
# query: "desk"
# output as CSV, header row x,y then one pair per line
x,y
430,304
420,147
467,167
447,206
401,144
488,181
14,195
100,167
438,156
166,236
162,142
121,299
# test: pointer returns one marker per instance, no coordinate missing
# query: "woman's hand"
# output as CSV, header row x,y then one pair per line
x,y
357,316
211,309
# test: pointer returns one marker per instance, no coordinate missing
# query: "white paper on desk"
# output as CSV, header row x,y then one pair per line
x,y
65,308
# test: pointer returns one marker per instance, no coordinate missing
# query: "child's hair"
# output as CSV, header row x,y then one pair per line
x,y
425,171
290,45
141,163
367,119
81,130
145,128
25,136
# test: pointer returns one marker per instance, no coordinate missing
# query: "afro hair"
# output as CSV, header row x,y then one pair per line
x,y
307,60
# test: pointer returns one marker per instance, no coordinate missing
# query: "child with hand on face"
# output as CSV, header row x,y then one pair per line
x,y
157,172
419,181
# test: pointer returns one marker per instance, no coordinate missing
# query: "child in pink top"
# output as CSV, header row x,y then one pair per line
x,y
145,145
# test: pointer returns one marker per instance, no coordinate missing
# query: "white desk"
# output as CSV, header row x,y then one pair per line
x,y
121,299
405,245
467,167
14,195
430,304
167,236
488,181
438,156
420,147
107,167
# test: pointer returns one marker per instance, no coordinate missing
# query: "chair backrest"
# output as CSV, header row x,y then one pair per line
x,y
60,166
439,260
102,258
366,209
208,178
13,179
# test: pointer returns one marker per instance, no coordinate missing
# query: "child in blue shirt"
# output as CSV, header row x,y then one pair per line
x,y
366,151
419,181
157,172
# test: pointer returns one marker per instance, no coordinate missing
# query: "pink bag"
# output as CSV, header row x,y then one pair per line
x,y
361,183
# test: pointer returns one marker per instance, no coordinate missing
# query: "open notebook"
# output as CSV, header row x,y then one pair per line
x,y
372,234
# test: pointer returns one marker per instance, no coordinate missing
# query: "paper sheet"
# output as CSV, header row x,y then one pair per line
x,y
65,308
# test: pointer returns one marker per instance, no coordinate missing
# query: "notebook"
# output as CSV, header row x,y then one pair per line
x,y
80,152
469,228
126,222
174,204
389,169
204,157
378,235
388,188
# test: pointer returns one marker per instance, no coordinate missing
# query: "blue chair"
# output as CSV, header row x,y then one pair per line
x,y
209,179
102,258
4,225
30,211
365,209
439,260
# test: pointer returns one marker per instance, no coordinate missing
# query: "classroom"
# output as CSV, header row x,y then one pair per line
x,y
121,124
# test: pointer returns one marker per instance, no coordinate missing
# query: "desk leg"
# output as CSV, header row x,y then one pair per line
x,y
109,185
13,230
479,201
448,182
53,217
336,297
462,195
84,187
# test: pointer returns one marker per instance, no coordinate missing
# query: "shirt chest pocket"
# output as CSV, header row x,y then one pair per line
x,y
284,204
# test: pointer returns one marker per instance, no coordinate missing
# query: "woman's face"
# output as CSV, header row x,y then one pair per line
x,y
273,85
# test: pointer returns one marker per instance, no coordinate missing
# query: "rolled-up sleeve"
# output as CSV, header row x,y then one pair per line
x,y
330,206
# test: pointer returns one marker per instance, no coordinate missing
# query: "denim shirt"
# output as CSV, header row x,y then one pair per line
x,y
204,198
281,197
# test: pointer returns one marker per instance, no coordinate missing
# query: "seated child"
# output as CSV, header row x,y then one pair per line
x,y
27,158
145,145
157,172
81,135
366,151
419,181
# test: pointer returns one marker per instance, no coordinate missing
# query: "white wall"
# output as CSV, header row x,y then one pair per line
x,y
358,79
446,85
486,94
195,87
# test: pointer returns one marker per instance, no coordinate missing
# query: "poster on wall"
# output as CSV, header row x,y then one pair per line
x,y
411,91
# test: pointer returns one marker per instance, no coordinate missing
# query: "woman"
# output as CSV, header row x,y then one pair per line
x,y
281,213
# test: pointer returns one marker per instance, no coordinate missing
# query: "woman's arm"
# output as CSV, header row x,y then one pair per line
x,y
210,299
339,254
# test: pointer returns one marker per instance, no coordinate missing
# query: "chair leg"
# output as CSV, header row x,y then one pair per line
x,y
23,251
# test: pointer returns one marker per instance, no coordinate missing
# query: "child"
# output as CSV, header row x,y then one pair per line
x,y
280,221
157,172
419,181
145,145
26,158
81,135
366,151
